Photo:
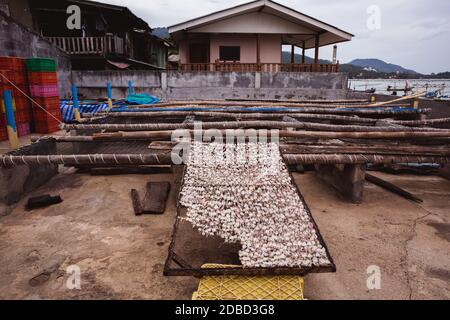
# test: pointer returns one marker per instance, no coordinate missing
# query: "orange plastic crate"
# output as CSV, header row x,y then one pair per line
x,y
23,129
16,77
41,115
41,78
22,103
22,116
46,126
3,133
49,103
12,63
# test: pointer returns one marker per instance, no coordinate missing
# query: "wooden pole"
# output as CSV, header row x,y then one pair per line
x,y
10,120
258,51
240,116
303,52
109,94
167,134
86,159
251,125
76,110
292,54
8,161
316,48
418,123
130,87
359,159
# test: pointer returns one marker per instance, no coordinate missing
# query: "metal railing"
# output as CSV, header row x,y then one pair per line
x,y
89,45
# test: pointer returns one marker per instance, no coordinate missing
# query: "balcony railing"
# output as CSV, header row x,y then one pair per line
x,y
255,67
90,45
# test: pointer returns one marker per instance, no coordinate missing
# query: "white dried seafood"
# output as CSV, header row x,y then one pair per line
x,y
244,194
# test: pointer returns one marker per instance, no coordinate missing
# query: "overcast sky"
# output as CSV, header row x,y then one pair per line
x,y
413,33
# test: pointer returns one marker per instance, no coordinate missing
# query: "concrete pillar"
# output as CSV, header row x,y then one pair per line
x,y
257,80
347,180
164,81
334,54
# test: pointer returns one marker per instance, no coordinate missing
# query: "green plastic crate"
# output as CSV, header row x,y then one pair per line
x,y
41,65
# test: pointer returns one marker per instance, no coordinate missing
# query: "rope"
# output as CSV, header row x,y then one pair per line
x,y
31,99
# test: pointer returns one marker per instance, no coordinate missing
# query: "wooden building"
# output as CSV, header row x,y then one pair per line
x,y
109,37
250,37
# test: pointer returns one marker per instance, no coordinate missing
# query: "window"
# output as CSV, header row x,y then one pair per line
x,y
5,9
230,53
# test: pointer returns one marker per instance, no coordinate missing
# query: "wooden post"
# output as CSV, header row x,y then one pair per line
x,y
10,121
292,54
75,103
109,90
258,52
130,87
303,52
109,94
316,53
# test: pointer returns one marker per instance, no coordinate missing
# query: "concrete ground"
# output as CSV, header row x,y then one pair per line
x,y
121,256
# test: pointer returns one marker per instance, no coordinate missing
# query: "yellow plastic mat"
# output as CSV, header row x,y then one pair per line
x,y
249,287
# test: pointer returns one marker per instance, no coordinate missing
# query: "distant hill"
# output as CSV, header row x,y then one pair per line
x,y
286,58
162,33
378,65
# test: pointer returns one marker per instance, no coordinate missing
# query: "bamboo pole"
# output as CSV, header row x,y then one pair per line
x,y
332,111
167,134
9,161
271,105
291,148
379,104
244,125
365,149
241,116
417,123
152,159
359,159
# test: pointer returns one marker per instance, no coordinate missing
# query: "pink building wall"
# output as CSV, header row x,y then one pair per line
x,y
270,47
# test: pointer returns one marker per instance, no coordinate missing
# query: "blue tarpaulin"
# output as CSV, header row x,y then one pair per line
x,y
139,99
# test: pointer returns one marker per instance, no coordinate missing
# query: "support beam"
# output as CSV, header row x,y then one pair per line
x,y
316,48
258,51
292,54
303,52
347,180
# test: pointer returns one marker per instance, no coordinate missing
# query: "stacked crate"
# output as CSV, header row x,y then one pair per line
x,y
14,69
43,82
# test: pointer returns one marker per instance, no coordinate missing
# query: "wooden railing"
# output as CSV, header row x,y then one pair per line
x,y
89,45
255,67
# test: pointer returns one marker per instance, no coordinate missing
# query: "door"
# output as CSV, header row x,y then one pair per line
x,y
199,53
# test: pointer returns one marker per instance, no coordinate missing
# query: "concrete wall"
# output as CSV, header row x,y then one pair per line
x,y
19,41
16,182
214,85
